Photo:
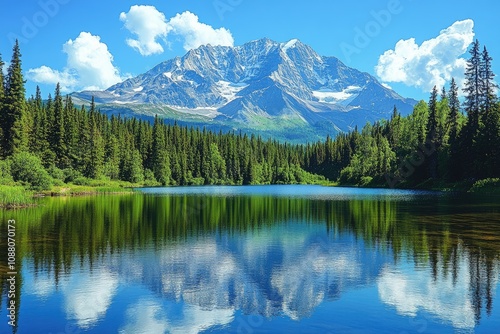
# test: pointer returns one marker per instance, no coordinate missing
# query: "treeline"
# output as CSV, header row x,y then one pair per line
x,y
437,144
58,140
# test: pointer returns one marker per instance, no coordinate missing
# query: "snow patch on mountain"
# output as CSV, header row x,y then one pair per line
x,y
229,90
343,97
261,83
289,45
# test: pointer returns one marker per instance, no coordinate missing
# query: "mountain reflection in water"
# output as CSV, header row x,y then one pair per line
x,y
184,263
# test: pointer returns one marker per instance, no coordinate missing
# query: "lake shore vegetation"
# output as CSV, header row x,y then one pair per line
x,y
53,147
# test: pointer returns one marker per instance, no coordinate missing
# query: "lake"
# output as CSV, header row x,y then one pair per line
x,y
255,259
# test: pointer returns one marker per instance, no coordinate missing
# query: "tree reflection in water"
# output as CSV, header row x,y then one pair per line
x,y
262,254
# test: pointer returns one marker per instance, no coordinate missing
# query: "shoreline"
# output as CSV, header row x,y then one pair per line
x,y
16,197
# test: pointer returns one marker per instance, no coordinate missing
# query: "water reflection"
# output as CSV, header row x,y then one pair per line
x,y
187,263
455,295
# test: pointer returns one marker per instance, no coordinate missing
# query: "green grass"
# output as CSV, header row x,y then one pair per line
x,y
486,186
92,187
15,197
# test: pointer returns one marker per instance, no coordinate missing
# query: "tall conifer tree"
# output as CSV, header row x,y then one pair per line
x,y
13,120
469,133
2,98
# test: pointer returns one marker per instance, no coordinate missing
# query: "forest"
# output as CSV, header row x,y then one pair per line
x,y
47,142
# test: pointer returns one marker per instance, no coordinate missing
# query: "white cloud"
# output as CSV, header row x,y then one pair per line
x,y
149,316
145,317
449,299
89,66
45,74
88,297
196,33
150,25
434,62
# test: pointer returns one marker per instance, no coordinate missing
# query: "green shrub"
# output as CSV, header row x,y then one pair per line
x,y
196,181
71,175
5,173
82,181
28,169
56,173
149,178
347,175
58,183
365,181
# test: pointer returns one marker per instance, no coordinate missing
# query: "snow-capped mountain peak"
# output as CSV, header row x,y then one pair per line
x,y
262,77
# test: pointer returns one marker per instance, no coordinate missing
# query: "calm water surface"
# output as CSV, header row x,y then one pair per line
x,y
260,259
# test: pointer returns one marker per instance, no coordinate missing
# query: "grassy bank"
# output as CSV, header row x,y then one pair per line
x,y
487,186
15,197
90,187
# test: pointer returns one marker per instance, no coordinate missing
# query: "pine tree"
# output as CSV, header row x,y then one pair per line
x,y
488,86
13,118
160,159
454,108
453,116
472,90
444,95
71,137
38,139
57,136
2,100
490,128
96,163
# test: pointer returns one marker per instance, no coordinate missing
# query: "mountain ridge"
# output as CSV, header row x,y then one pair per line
x,y
282,89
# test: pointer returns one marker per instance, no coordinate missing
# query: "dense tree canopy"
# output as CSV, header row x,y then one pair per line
x,y
437,143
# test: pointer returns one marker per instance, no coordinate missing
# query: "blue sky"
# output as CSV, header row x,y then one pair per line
x,y
93,44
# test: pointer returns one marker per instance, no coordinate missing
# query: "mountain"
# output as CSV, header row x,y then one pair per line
x,y
284,90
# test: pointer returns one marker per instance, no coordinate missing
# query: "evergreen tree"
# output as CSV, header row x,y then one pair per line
x,y
57,136
488,86
433,136
95,168
472,90
38,138
14,129
2,98
160,159
454,130
454,108
490,127
70,133
444,95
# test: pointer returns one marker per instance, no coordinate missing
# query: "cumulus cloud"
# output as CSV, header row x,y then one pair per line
x,y
89,66
151,27
195,33
150,316
88,297
412,292
148,24
434,62
47,75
